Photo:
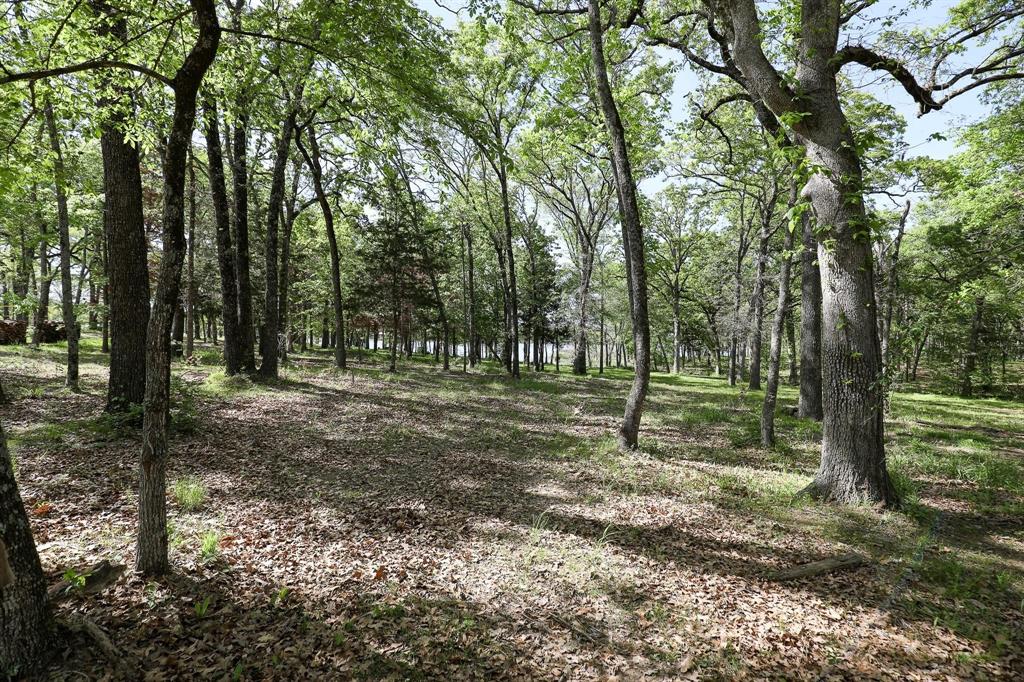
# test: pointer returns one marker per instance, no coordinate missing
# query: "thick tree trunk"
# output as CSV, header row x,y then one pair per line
x,y
628,437
853,465
810,406
26,622
151,547
63,233
225,251
127,290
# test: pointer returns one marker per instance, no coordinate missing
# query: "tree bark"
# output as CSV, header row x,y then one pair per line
x,y
810,406
225,251
579,361
971,355
26,622
240,215
151,546
271,311
312,157
775,350
628,437
757,301
190,284
853,467
63,233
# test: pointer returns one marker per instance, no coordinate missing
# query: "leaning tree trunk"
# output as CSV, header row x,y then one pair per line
x,y
225,252
26,622
312,158
151,547
629,432
126,292
775,351
810,405
63,232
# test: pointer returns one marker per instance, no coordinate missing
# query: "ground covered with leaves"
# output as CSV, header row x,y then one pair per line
x,y
426,524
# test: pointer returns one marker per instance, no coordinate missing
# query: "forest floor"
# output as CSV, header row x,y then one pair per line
x,y
448,525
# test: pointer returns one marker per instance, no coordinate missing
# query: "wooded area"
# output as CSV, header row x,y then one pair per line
x,y
555,339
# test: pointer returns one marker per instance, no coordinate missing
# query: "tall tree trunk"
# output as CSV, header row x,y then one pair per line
x,y
43,280
190,284
225,250
775,350
26,622
734,343
676,332
312,157
632,230
810,406
240,214
271,311
971,354
888,290
757,301
513,314
151,547
471,339
579,361
283,306
794,373
63,232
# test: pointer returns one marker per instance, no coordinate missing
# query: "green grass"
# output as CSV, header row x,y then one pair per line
x,y
189,493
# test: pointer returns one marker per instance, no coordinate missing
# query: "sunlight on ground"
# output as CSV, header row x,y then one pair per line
x,y
377,525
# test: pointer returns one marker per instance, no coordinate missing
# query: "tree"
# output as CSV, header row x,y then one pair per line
x,y
26,629
577,192
806,101
151,545
498,92
127,292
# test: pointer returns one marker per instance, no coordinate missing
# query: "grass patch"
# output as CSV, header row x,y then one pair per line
x,y
189,493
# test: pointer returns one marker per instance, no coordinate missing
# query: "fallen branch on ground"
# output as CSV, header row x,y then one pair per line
x,y
843,561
